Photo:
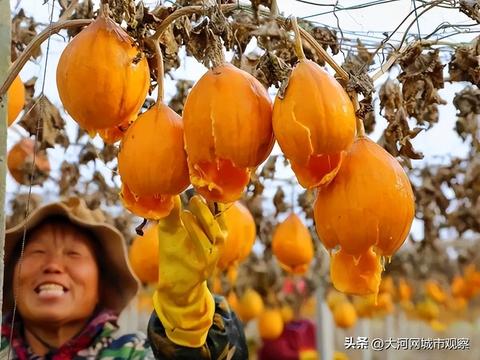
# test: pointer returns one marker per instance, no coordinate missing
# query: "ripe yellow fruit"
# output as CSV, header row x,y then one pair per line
x,y
287,313
143,255
345,315
270,324
250,305
16,99
102,77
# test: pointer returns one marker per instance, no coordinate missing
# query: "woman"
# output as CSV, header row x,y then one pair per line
x,y
73,281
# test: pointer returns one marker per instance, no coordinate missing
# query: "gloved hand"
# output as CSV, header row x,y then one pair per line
x,y
188,253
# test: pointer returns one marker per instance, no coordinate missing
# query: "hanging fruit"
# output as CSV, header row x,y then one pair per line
x,y
149,207
228,131
334,298
232,300
404,290
292,244
250,305
438,325
16,99
152,162
102,77
241,235
435,292
427,310
345,315
364,306
20,160
270,324
313,122
143,255
287,313
384,303
355,212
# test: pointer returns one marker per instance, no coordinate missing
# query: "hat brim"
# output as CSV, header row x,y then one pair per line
x,y
121,285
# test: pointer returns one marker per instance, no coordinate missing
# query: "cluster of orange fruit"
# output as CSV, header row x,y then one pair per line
x,y
437,305
228,128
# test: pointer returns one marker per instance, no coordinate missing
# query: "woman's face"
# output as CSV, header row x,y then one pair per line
x,y
58,279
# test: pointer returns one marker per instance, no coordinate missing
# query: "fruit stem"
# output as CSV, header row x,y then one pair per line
x,y
309,39
160,71
359,122
298,40
104,8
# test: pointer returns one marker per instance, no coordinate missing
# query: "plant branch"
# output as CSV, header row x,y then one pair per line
x,y
33,45
68,11
189,10
185,11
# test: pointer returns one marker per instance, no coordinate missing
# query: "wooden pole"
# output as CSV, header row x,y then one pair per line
x,y
324,326
5,29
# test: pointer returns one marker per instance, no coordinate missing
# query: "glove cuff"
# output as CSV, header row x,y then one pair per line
x,y
187,319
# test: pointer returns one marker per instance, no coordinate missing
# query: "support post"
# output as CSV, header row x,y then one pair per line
x,y
5,34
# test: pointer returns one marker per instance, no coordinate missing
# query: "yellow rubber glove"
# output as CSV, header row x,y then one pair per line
x,y
188,253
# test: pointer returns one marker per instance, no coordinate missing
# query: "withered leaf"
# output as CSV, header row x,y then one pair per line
x,y
327,38
396,137
279,201
40,111
108,153
84,10
268,170
306,200
178,100
19,209
465,64
29,89
421,78
70,174
467,103
88,153
23,31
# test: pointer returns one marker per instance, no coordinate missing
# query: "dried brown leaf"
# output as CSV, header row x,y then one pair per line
x,y
70,174
40,111
421,78
23,32
279,201
88,153
178,100
18,206
465,63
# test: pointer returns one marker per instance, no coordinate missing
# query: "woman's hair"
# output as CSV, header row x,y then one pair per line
x,y
56,220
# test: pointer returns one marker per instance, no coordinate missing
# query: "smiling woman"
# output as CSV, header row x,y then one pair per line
x,y
58,283
66,287
74,279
